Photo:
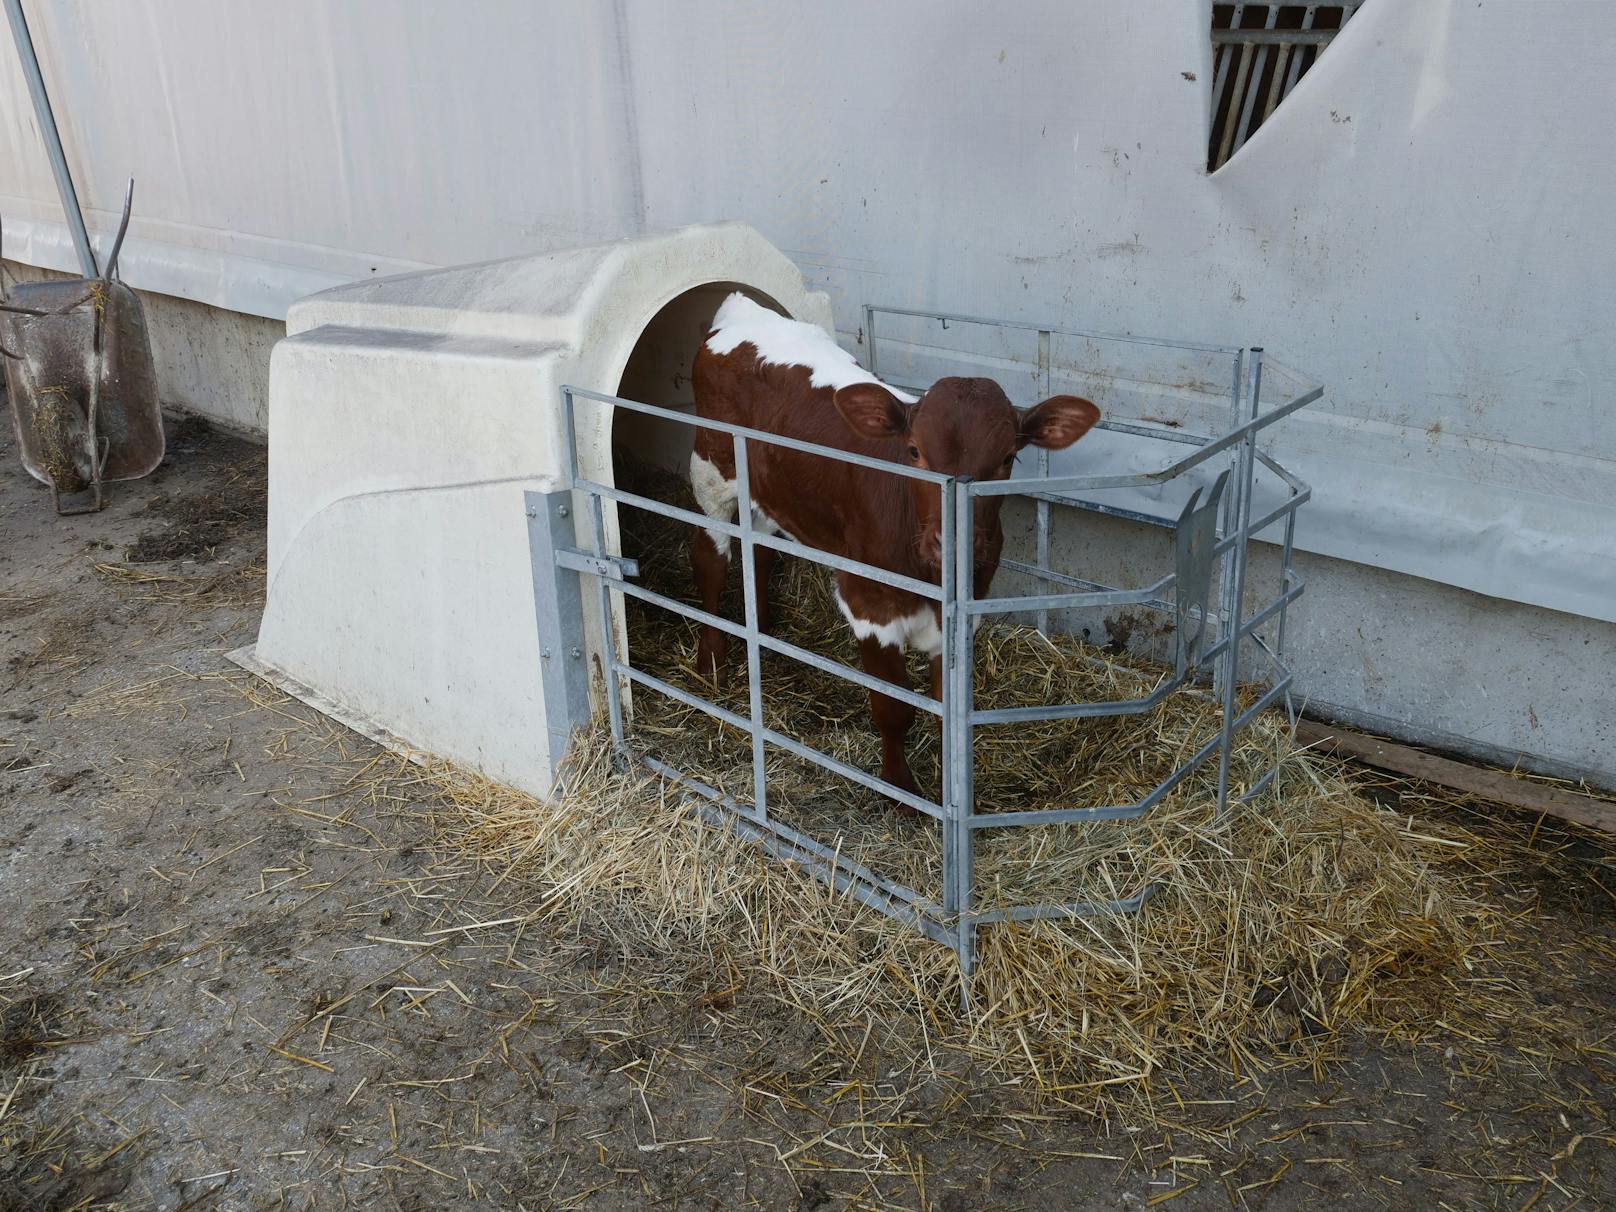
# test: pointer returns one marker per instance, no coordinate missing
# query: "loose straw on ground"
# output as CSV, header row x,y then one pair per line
x,y
1312,910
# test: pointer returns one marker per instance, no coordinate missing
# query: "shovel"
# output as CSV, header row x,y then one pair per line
x,y
82,383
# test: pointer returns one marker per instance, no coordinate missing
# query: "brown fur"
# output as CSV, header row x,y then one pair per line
x,y
961,427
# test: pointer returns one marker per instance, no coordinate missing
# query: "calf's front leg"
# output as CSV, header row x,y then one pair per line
x,y
762,569
711,568
893,718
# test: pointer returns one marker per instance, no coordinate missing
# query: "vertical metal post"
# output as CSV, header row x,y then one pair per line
x,y
951,646
53,140
1231,510
1296,62
559,613
1250,106
608,633
869,336
603,602
754,652
1230,119
1248,459
1285,583
1285,578
1046,381
959,790
1223,54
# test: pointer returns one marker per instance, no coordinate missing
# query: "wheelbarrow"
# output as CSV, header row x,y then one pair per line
x,y
82,383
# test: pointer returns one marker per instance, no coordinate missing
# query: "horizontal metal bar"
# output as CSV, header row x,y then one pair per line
x,y
756,826
837,766
1116,707
1064,601
789,744
1300,490
1274,37
877,899
614,568
1291,504
758,435
1271,364
922,702
1005,488
1285,597
1064,578
1164,433
1028,913
1078,711
921,589
870,572
915,699
651,682
1110,511
1295,483
1256,788
858,677
1253,528
1126,812
694,613
962,318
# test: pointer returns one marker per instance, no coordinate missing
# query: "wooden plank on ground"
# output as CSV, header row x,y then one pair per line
x,y
1496,785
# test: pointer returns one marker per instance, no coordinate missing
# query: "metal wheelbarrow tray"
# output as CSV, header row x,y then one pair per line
x,y
82,383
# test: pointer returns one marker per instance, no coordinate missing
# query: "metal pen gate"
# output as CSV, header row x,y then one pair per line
x,y
1213,525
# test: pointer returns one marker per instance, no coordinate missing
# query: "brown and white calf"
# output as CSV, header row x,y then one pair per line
x,y
767,372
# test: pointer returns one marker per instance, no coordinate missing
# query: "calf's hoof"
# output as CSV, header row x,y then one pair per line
x,y
905,781
712,663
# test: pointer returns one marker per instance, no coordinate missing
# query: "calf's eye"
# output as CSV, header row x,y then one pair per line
x,y
914,453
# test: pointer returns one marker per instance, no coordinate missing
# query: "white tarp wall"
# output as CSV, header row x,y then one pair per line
x,y
1422,225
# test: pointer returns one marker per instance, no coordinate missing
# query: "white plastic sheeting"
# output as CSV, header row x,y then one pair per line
x,y
1422,224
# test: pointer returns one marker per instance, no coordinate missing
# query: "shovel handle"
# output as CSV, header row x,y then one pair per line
x,y
123,226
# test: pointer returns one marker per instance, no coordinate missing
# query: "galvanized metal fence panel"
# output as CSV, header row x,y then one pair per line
x,y
1214,526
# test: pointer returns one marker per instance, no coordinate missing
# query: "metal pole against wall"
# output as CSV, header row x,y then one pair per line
x,y
1246,485
53,142
1231,509
959,767
1046,388
750,590
603,601
559,615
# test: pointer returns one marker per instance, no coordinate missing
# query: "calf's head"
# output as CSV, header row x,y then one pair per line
x,y
961,427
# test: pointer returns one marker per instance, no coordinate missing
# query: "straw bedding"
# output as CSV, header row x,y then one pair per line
x,y
1311,910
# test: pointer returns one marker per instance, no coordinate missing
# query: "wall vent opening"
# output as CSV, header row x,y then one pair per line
x,y
1259,52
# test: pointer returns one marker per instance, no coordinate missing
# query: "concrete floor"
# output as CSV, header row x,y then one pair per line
x,y
233,974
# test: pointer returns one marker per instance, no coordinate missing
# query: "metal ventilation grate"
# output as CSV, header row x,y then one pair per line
x,y
1259,52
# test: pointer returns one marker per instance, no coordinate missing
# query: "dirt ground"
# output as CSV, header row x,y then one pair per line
x,y
238,971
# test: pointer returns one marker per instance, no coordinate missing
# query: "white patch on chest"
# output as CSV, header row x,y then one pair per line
x,y
918,630
783,342
763,522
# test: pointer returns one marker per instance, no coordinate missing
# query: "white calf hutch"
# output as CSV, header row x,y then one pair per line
x,y
407,417
444,555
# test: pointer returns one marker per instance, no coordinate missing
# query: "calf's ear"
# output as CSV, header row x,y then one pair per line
x,y
871,411
1056,423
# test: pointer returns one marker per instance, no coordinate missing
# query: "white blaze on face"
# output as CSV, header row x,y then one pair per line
x,y
784,342
918,630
